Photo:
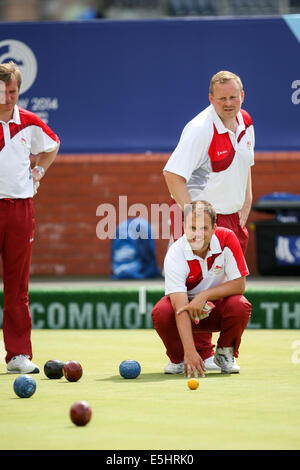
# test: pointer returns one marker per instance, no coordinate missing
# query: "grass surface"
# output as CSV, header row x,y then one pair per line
x,y
256,409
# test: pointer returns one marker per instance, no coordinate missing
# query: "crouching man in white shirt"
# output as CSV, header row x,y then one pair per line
x,y
204,269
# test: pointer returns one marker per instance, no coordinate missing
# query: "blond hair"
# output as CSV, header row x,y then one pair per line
x,y
222,77
9,71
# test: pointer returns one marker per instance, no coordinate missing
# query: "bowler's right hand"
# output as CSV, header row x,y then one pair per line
x,y
193,364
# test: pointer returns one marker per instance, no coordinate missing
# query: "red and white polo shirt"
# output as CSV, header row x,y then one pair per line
x,y
187,272
214,160
24,135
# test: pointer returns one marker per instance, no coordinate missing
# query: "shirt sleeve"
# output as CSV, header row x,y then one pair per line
x,y
175,270
235,264
190,153
43,138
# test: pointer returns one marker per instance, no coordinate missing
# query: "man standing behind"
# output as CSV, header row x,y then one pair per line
x,y
22,133
212,162
205,264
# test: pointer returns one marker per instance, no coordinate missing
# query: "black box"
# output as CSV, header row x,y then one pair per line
x,y
278,248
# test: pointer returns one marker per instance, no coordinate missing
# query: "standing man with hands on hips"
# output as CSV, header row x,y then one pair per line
x,y
212,162
22,133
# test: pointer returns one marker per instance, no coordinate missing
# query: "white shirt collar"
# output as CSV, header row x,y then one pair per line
x,y
16,116
219,123
241,124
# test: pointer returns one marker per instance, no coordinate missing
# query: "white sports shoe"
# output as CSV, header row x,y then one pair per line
x,y
224,358
172,368
235,368
21,365
210,365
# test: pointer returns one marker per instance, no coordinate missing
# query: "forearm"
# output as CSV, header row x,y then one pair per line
x,y
45,159
248,199
178,188
183,321
184,326
193,362
234,287
245,210
195,306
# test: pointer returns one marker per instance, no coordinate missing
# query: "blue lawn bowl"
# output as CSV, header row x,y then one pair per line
x,y
24,386
130,369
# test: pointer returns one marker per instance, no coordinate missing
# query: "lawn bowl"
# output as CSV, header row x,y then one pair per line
x,y
80,413
53,369
72,371
130,369
24,386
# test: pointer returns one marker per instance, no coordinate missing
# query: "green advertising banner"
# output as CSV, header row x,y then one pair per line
x,y
116,308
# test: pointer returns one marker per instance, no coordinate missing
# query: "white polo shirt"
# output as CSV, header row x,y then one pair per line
x,y
24,135
186,272
214,160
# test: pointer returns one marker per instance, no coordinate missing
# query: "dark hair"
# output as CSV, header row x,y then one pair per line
x,y
199,207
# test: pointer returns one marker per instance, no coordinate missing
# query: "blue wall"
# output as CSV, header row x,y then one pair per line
x,y
118,86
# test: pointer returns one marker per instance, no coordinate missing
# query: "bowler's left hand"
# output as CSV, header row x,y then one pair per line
x,y
194,309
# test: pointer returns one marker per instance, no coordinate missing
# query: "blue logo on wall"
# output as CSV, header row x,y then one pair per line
x,y
22,55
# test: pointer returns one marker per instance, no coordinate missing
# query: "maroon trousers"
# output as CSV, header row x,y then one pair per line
x,y
230,316
16,237
231,221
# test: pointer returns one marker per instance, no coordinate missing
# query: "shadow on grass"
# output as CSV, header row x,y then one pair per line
x,y
158,377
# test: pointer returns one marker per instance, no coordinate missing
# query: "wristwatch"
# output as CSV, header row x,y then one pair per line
x,y
40,169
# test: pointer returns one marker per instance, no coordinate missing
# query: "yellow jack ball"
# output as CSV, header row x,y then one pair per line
x,y
193,384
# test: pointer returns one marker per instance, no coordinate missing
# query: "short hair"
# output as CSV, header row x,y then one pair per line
x,y
198,207
222,77
9,71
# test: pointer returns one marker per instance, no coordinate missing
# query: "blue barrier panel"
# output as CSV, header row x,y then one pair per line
x,y
130,86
